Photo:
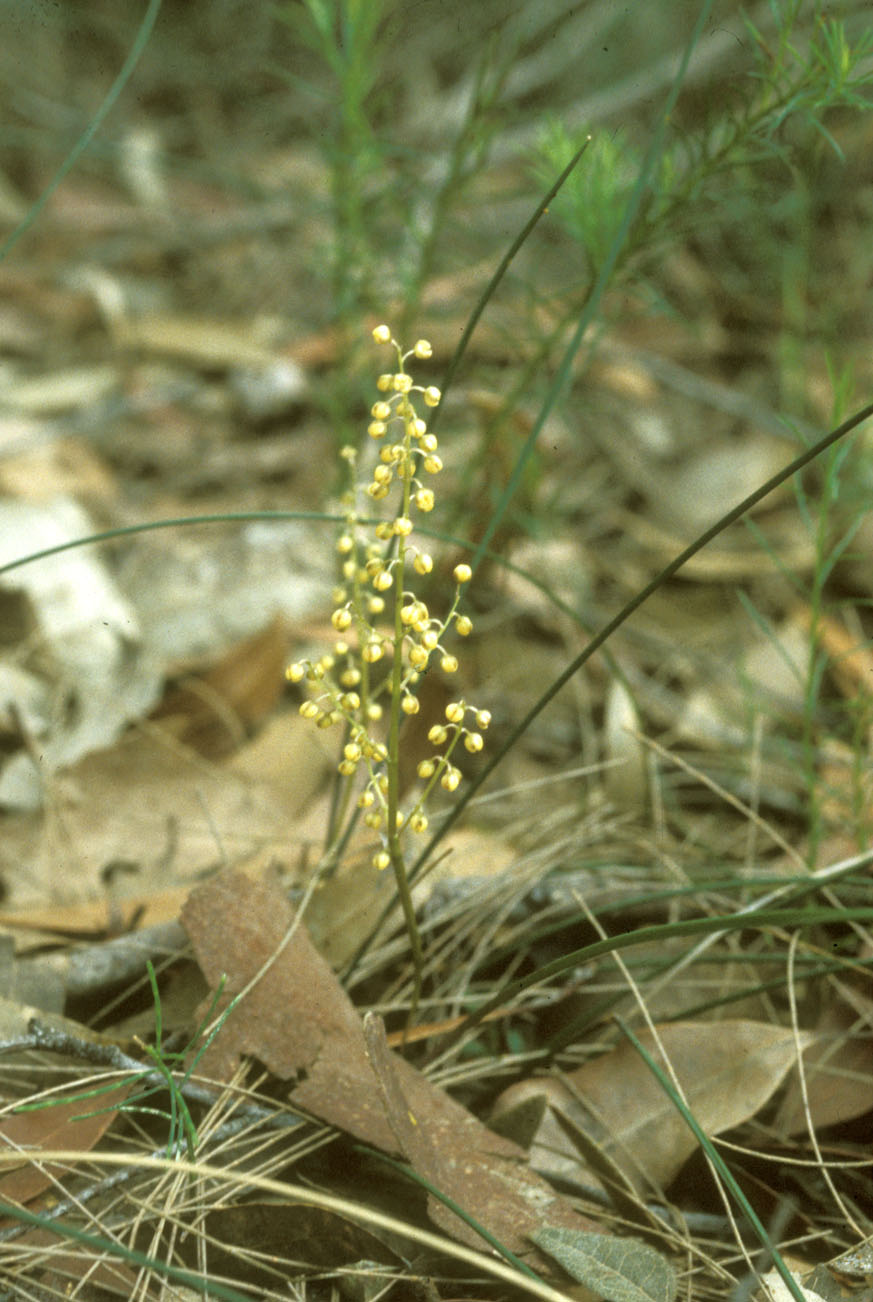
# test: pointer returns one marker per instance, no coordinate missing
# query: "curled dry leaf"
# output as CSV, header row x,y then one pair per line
x,y
728,1070
298,1021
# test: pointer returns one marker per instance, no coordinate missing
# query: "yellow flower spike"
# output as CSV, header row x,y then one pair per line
x,y
375,558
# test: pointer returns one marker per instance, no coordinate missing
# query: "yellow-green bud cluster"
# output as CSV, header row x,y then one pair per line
x,y
383,619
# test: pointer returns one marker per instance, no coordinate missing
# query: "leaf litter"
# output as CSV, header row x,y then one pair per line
x,y
298,1021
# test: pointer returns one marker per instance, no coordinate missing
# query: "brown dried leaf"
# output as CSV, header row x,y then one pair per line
x,y
148,802
61,1126
728,1070
839,1074
213,710
300,1024
461,1158
286,1231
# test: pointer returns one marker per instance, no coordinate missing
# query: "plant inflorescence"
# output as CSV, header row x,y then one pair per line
x,y
388,637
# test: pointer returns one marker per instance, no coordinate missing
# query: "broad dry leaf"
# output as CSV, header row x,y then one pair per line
x,y
619,1270
728,1071
148,806
59,1125
300,1024
213,710
777,1290
287,1231
838,1071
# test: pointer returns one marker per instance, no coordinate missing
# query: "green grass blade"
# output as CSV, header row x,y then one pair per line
x,y
139,44
717,1161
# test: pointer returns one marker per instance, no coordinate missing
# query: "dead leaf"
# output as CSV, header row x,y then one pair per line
x,y
777,1290
301,1025
284,1232
839,1075
214,710
210,344
727,1069
147,802
61,1125
619,1270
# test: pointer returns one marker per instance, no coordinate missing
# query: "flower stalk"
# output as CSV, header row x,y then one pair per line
x,y
347,686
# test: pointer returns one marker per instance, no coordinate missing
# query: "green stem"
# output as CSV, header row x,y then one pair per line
x,y
398,863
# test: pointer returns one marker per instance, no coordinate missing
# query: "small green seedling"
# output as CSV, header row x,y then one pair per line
x,y
163,1065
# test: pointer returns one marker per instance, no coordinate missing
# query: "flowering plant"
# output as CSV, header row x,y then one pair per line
x,y
380,620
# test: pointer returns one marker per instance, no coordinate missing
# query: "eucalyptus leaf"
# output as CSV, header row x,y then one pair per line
x,y
620,1270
